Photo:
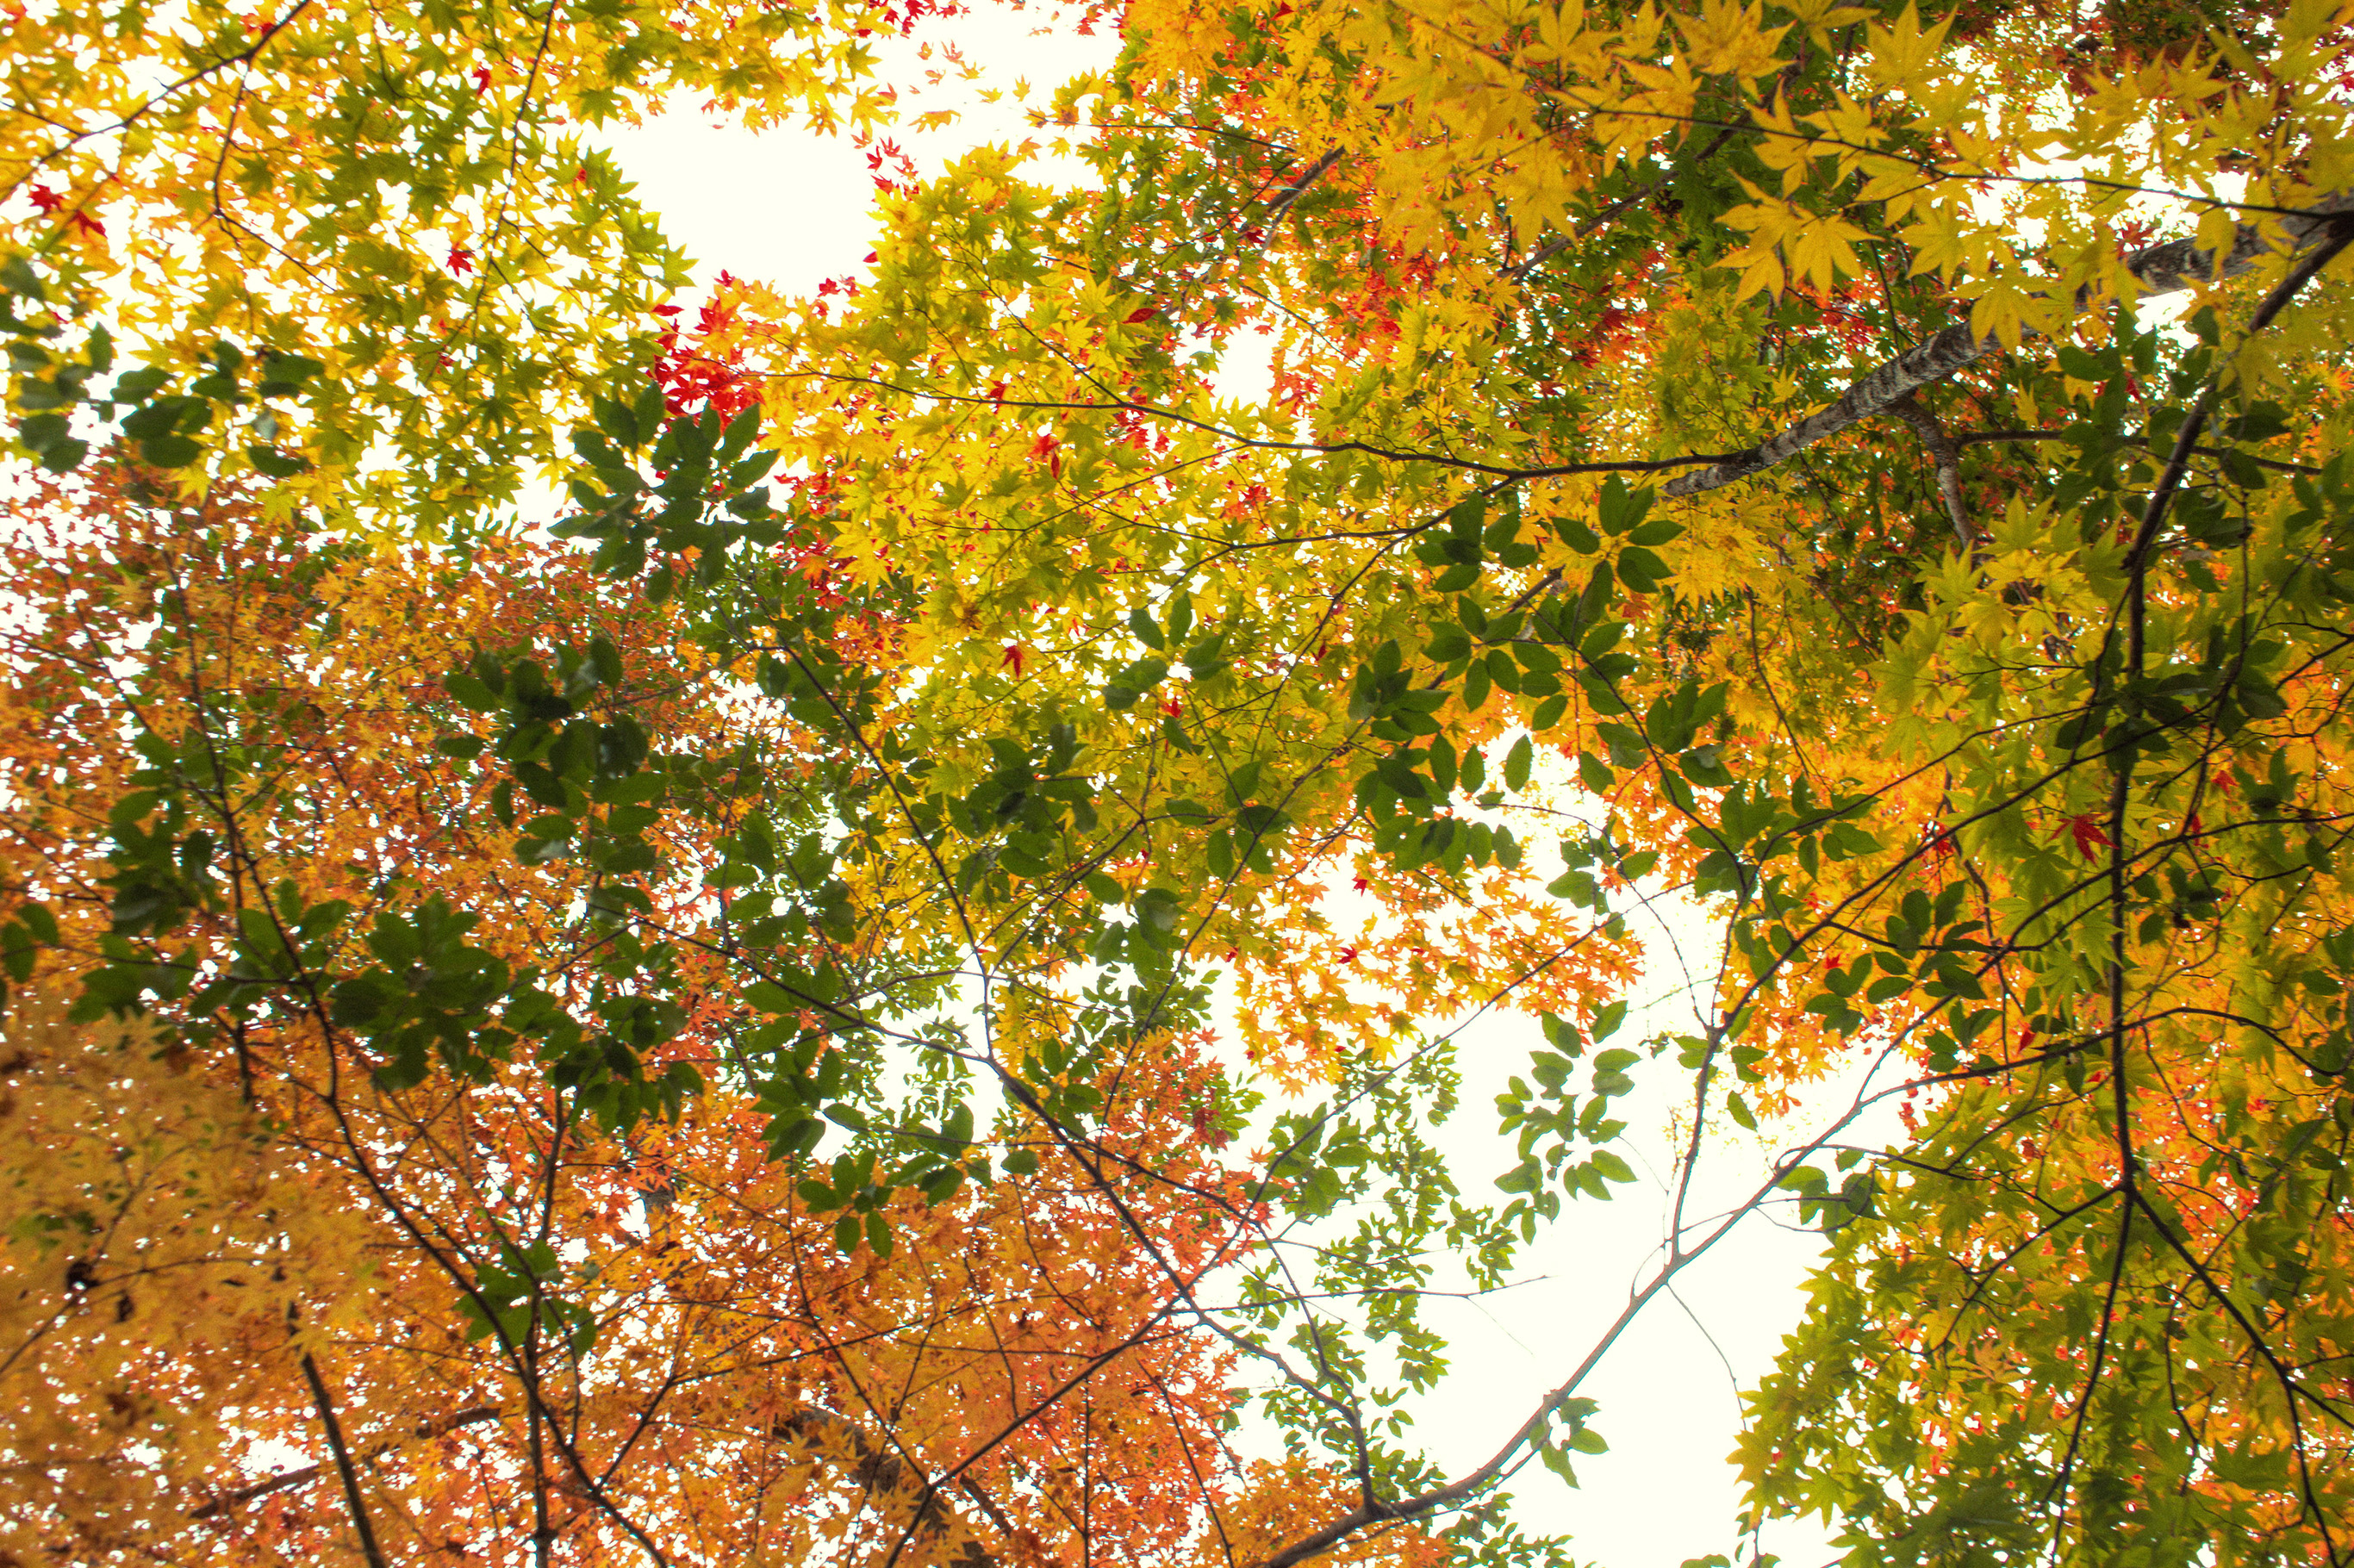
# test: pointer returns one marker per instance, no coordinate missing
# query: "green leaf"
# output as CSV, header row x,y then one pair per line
x,y
1613,1169
471,692
1578,535
769,997
64,454
1705,765
1517,762
169,451
1641,570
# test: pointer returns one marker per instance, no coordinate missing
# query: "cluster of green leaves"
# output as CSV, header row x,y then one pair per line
x,y
411,986
519,1294
50,388
625,510
1549,1126
1369,1242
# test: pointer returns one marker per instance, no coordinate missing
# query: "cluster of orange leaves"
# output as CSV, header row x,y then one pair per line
x,y
1022,1379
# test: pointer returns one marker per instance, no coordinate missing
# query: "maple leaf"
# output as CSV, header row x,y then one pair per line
x,y
44,199
461,260
2085,829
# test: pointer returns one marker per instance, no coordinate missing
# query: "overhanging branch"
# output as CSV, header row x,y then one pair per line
x,y
2162,269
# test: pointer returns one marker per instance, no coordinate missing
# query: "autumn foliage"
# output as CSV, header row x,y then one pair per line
x,y
879,992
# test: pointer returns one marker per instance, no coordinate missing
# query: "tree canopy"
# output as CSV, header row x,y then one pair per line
x,y
872,991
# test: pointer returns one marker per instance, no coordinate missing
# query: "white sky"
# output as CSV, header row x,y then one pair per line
x,y
791,208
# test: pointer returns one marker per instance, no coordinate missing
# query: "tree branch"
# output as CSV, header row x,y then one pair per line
x,y
1287,195
2161,270
369,1548
304,1475
1948,457
887,1477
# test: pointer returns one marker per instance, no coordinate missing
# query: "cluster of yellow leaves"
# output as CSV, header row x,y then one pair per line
x,y
403,193
163,1258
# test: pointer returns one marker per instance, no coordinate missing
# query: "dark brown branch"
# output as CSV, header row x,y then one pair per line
x,y
304,1475
2160,269
2332,235
1260,443
246,55
1298,188
350,1477
2278,466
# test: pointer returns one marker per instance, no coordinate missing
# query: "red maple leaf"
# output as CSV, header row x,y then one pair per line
x,y
482,79
462,260
1014,656
45,199
1145,314
2087,830
88,225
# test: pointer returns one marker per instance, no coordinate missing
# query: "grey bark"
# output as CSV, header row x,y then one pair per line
x,y
2161,270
